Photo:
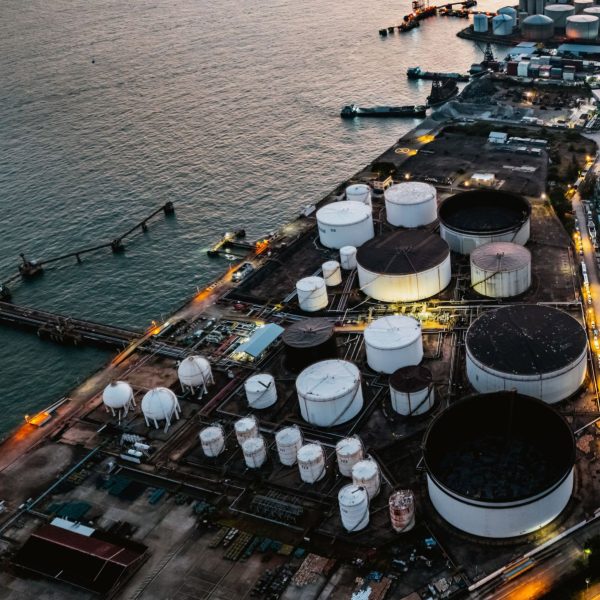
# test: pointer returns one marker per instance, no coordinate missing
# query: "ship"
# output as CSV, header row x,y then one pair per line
x,y
352,110
418,73
441,91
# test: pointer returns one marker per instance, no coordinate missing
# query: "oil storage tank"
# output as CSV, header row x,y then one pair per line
x,y
288,441
392,342
348,452
348,223
255,452
411,391
402,510
359,192
499,465
537,350
537,28
312,294
480,23
581,5
365,473
308,341
261,391
332,273
511,12
559,13
354,507
348,258
212,440
411,204
500,269
582,27
311,463
502,25
404,266
329,392
471,219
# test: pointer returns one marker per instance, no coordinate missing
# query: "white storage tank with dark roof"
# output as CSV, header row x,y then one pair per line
x,y
348,223
559,13
500,269
582,27
312,294
308,341
537,28
411,204
404,266
502,25
499,465
359,192
537,350
261,391
411,391
354,507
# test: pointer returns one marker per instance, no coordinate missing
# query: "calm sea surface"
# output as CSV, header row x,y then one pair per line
x,y
229,108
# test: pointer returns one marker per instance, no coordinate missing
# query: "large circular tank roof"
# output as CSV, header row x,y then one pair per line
x,y
411,379
403,252
328,379
308,333
526,339
499,447
410,192
501,256
343,213
538,20
484,211
392,331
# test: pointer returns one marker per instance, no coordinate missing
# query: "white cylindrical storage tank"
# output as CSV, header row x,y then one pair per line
x,y
118,396
411,204
312,294
348,451
582,27
354,507
255,452
359,192
365,473
411,391
499,465
195,372
402,510
537,28
347,223
260,390
212,439
332,273
511,12
311,463
581,5
559,13
245,428
480,23
404,266
592,10
500,269
288,441
160,404
502,25
329,392
533,349
392,342
348,258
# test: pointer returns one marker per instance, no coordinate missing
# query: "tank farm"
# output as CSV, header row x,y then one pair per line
x,y
405,367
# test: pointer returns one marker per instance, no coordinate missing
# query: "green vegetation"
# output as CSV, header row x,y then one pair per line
x,y
562,206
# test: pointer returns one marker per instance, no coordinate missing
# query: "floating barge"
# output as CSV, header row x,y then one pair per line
x,y
418,73
411,111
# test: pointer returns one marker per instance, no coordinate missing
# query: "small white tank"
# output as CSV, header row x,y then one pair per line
x,y
311,463
354,507
480,23
195,373
332,274
312,294
246,428
348,258
411,204
288,441
212,439
348,451
411,390
365,473
359,192
255,452
402,510
261,391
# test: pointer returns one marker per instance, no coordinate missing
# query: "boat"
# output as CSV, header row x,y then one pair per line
x,y
352,110
418,73
441,91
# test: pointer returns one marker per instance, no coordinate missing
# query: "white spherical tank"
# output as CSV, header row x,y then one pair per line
x,y
118,396
582,27
312,294
411,204
559,13
329,392
354,507
404,266
195,372
245,428
260,390
500,269
348,451
346,223
160,404
537,28
212,440
311,463
502,25
533,349
411,391
581,5
392,342
348,258
480,23
365,473
402,510
255,452
288,441
359,192
332,273
511,12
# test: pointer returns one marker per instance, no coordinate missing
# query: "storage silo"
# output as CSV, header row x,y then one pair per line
x,y
592,10
511,12
499,465
212,440
118,396
255,452
392,342
500,269
288,441
329,392
411,391
559,13
160,404
246,428
480,23
402,510
348,223
522,6
354,507
404,266
312,294
194,372
411,204
502,25
537,28
581,5
261,391
531,6
537,350
359,192
308,341
539,6
348,258
365,473
582,27
348,451
332,273
311,463
471,219
522,16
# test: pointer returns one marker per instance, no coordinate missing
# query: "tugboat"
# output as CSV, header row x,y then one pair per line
x,y
441,91
412,111
418,73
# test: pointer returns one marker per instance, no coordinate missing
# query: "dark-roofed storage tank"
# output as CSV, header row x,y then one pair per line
x,y
309,341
